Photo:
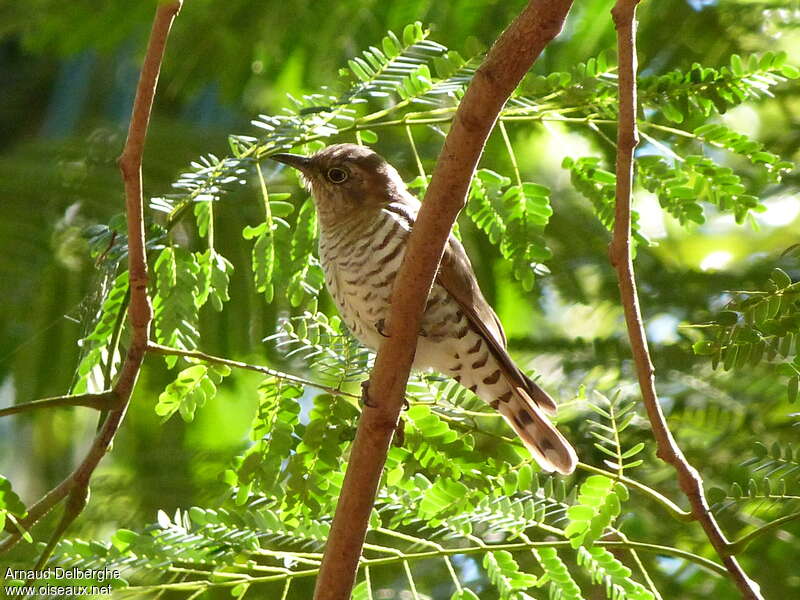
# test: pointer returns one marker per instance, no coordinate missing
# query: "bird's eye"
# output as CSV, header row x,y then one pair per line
x,y
337,175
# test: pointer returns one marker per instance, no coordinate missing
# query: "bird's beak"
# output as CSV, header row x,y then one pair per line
x,y
299,162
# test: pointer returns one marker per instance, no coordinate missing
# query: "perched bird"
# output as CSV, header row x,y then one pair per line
x,y
365,215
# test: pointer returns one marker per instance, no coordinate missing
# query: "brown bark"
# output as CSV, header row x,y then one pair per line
x,y
691,483
505,65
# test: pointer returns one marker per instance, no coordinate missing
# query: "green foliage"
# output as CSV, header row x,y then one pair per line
x,y
10,504
193,387
718,135
314,466
599,504
268,236
514,218
98,354
756,326
707,90
185,281
557,576
612,574
315,338
598,186
213,279
763,495
505,574
773,487
681,188
433,445
616,416
273,433
177,278
464,594
307,277
776,461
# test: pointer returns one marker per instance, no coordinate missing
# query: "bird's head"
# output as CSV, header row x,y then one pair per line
x,y
346,178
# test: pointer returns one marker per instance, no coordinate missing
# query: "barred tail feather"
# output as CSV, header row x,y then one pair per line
x,y
550,449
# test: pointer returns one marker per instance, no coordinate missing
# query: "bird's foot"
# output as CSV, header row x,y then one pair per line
x,y
364,400
399,433
380,327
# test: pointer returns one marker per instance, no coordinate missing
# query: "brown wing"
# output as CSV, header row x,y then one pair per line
x,y
457,277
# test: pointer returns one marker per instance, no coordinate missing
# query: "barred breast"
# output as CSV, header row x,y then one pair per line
x,y
361,261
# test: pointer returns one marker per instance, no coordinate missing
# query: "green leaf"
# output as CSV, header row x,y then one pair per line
x,y
604,567
96,345
10,503
597,506
123,539
368,136
633,451
672,112
190,390
790,71
561,583
178,282
736,65
781,279
727,318
505,574
704,347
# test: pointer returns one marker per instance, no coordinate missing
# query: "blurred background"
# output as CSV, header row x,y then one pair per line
x,y
68,73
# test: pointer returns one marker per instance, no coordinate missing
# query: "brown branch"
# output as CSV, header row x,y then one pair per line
x,y
100,401
691,483
505,65
76,485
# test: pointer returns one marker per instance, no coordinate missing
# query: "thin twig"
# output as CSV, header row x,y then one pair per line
x,y
100,401
76,485
504,66
691,483
744,541
210,358
478,548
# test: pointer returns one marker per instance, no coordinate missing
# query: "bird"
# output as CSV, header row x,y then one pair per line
x,y
365,215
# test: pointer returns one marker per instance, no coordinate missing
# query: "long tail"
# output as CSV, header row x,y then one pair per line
x,y
550,449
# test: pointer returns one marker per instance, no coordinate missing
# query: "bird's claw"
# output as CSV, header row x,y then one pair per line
x,y
380,327
399,433
365,395
400,430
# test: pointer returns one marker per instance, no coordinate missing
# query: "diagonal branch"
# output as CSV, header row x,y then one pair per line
x,y
505,65
75,487
100,401
691,483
